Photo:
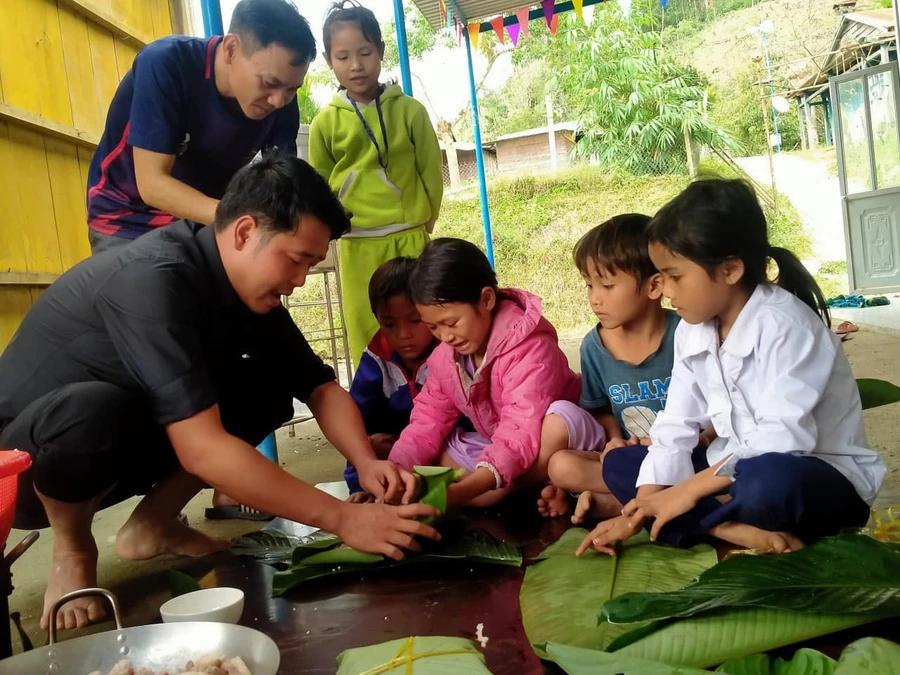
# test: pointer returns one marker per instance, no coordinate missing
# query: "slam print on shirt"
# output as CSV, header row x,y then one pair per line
x,y
628,397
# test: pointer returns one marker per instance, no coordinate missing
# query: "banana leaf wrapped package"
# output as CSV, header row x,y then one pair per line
x,y
433,655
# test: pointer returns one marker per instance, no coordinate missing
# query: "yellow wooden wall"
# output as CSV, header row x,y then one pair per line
x,y
60,63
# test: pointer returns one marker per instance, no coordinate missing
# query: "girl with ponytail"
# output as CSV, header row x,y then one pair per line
x,y
755,359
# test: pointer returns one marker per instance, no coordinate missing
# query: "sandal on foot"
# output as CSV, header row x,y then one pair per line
x,y
239,512
846,327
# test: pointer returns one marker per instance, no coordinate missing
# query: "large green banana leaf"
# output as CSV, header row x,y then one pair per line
x,y
433,655
868,656
875,393
470,546
561,593
845,574
706,640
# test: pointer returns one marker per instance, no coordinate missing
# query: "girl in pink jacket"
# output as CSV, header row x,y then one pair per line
x,y
499,365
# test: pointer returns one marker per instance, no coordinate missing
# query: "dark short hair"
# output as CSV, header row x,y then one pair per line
x,y
348,11
276,190
451,270
618,244
715,219
390,280
261,23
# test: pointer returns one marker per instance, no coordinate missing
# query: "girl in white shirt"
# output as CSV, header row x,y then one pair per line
x,y
757,361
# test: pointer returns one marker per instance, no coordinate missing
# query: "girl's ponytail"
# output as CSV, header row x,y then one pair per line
x,y
795,278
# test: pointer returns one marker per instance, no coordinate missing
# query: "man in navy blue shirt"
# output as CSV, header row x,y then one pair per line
x,y
189,114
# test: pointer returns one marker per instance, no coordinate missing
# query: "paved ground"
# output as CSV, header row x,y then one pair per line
x,y
813,192
142,588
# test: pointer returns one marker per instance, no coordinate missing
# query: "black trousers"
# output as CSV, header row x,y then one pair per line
x,y
93,438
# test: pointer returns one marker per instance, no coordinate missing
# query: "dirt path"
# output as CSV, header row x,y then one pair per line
x,y
814,194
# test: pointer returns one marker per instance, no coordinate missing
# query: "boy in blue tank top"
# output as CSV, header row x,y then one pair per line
x,y
626,366
189,114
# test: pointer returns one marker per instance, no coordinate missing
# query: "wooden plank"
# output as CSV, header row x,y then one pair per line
x,y
103,65
20,86
138,16
68,202
106,16
48,66
12,241
161,18
125,53
36,217
45,126
14,305
86,114
27,279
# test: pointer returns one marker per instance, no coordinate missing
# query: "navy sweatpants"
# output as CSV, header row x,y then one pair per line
x,y
774,491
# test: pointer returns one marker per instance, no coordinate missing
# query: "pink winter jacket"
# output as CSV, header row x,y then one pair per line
x,y
523,372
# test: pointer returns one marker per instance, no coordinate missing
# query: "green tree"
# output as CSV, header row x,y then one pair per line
x,y
636,107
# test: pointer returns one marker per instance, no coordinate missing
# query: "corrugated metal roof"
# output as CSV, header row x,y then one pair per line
x,y
472,10
561,126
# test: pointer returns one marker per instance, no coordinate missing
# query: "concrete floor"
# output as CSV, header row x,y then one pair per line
x,y
141,587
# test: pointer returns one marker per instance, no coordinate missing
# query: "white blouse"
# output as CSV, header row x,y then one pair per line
x,y
779,383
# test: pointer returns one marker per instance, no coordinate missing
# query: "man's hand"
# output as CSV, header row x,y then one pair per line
x,y
387,482
382,444
387,530
608,532
664,506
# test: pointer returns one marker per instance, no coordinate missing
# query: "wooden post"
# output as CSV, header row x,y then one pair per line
x,y
551,132
804,142
765,107
811,131
689,150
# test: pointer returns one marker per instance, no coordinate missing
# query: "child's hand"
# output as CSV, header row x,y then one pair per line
x,y
664,506
387,481
608,532
624,443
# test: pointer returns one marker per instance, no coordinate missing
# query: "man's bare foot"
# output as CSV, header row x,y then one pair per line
x,y
554,502
361,498
749,536
144,539
73,572
595,506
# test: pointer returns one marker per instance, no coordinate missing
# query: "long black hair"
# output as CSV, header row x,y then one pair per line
x,y
716,219
451,270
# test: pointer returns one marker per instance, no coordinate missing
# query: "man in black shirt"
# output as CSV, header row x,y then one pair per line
x,y
155,368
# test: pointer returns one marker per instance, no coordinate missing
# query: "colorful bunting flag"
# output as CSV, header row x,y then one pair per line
x,y
554,24
547,6
513,30
664,3
626,7
497,25
443,9
578,6
474,31
522,15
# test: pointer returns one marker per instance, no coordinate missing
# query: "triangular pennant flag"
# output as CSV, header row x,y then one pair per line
x,y
513,30
664,3
547,6
443,9
497,25
626,7
522,16
459,34
589,14
474,30
578,6
554,24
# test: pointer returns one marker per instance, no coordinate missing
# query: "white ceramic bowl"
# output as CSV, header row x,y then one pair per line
x,y
223,605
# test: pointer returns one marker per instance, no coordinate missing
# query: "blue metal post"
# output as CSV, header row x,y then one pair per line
x,y
479,156
212,17
402,47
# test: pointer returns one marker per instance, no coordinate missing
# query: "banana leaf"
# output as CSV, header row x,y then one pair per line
x,y
846,574
433,655
471,546
709,639
560,593
435,480
875,393
868,656
578,661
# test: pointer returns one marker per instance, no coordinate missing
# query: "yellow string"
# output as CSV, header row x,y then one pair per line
x,y
406,657
886,524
